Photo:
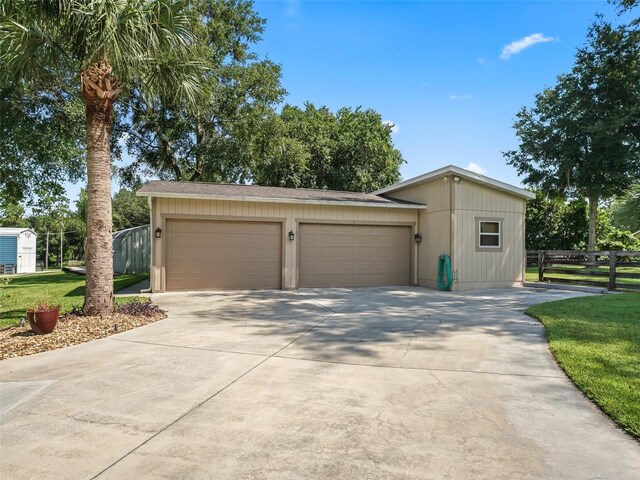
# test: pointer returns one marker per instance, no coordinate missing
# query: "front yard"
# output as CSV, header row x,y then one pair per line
x,y
21,292
596,340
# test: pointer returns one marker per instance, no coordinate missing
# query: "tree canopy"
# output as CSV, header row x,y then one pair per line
x,y
129,210
43,144
172,142
314,148
237,136
555,224
581,139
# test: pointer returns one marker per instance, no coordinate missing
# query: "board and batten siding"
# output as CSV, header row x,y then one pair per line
x,y
487,269
448,226
289,215
434,225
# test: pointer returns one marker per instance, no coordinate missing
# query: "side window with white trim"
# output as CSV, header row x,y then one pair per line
x,y
488,234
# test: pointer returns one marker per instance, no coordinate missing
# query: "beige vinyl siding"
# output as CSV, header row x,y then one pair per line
x,y
448,226
487,269
288,215
434,225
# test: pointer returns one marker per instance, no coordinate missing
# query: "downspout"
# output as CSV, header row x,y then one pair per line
x,y
524,243
152,243
451,230
416,261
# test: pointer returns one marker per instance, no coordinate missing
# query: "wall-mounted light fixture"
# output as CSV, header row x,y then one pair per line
x,y
418,237
158,232
456,179
292,236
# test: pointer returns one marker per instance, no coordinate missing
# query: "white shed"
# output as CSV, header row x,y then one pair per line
x,y
17,250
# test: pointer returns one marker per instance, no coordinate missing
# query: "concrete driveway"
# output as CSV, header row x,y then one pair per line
x,y
334,384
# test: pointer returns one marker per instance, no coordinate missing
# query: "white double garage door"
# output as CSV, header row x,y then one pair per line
x,y
204,255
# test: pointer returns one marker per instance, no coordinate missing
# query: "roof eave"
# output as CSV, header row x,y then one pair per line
x,y
195,196
452,169
10,231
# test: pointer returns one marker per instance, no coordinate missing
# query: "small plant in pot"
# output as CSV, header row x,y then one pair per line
x,y
43,318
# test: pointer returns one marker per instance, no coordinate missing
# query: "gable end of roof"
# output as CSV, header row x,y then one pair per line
x,y
467,174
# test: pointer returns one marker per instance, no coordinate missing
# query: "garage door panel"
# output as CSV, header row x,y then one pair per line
x,y
354,255
226,241
205,255
218,255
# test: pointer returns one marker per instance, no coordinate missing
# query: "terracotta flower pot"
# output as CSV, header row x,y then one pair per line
x,y
43,321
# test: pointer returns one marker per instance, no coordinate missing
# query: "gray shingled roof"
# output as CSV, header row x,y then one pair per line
x,y
257,193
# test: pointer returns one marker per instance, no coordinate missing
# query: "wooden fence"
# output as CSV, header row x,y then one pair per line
x,y
599,269
532,258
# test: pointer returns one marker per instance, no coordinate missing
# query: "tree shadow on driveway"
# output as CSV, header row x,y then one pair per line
x,y
398,327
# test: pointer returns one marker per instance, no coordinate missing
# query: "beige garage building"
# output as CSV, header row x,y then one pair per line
x,y
218,236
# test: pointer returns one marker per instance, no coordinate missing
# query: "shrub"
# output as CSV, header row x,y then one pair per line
x,y
139,309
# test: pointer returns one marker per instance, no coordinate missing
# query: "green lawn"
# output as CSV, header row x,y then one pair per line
x,y
532,275
25,291
596,340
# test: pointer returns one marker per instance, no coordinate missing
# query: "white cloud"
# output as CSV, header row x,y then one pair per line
x,y
394,128
482,61
474,167
459,97
519,45
291,9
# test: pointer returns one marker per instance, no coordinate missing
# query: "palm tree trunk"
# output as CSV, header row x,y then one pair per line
x,y
99,258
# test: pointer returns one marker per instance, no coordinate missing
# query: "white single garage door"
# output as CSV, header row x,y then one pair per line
x,y
206,255
334,255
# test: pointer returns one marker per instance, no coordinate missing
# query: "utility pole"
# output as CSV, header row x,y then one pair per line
x,y
46,255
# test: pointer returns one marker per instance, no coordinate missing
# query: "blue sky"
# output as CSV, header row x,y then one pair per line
x,y
450,75
435,69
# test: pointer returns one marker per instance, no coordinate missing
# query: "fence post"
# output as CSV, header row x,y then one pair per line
x,y
540,265
613,260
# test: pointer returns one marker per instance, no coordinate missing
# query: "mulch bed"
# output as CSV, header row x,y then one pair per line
x,y
71,330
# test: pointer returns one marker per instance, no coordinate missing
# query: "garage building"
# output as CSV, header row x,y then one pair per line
x,y
220,236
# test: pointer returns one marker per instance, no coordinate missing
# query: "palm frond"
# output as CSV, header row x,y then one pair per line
x,y
627,208
148,43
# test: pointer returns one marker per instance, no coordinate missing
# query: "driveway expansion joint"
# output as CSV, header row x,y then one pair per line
x,y
314,301
206,400
204,349
424,369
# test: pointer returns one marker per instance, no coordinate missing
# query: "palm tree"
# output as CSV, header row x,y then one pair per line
x,y
626,209
111,46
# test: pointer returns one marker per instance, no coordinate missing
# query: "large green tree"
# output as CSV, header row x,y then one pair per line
x,y
172,142
109,48
42,143
129,210
554,224
582,137
314,148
